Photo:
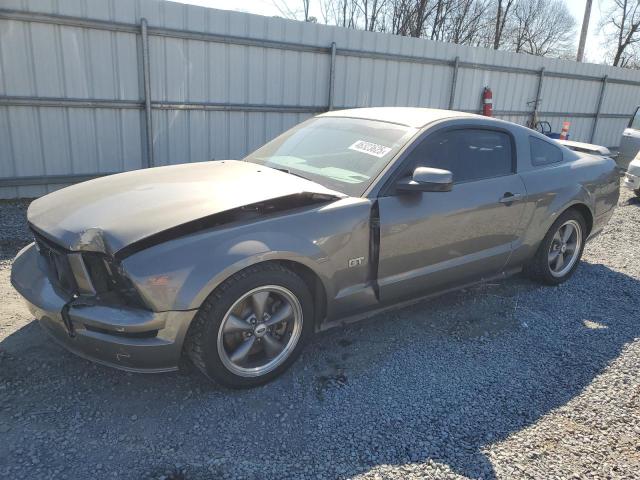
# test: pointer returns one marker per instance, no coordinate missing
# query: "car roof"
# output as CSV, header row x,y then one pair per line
x,y
409,116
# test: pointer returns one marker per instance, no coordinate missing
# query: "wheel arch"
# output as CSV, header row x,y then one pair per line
x,y
315,286
310,277
578,206
586,213
543,221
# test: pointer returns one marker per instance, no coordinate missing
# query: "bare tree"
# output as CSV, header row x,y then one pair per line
x,y
468,22
409,17
622,26
343,13
288,12
528,26
541,27
371,11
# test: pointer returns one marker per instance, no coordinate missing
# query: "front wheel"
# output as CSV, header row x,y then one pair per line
x,y
560,251
252,327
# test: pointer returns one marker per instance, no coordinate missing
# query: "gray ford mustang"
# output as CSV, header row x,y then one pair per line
x,y
237,263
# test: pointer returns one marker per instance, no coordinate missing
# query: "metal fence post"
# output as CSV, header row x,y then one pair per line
x,y
454,80
147,92
332,75
598,108
536,104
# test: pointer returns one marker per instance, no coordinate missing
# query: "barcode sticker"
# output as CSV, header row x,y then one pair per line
x,y
370,148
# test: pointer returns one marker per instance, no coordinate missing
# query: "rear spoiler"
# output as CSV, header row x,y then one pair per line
x,y
586,148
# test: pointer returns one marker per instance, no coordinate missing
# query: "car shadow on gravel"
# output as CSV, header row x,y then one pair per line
x,y
436,383
631,201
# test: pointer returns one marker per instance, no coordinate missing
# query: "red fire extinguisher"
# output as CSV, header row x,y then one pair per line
x,y
487,102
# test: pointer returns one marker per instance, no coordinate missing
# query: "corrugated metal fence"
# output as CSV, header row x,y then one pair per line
x,y
89,87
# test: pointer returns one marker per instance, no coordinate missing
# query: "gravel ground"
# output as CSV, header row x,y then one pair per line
x,y
508,380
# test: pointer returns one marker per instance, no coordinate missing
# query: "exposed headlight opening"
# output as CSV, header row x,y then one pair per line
x,y
93,277
81,274
110,282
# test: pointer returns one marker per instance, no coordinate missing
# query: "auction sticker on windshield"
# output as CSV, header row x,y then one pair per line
x,y
370,148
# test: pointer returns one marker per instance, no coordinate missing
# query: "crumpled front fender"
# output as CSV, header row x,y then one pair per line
x,y
167,280
181,273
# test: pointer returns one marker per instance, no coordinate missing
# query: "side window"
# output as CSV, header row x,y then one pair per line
x,y
470,153
544,153
635,120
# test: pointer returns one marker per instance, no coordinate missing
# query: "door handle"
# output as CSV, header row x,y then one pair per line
x,y
508,198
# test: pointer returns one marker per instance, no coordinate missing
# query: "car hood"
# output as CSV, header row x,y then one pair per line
x,y
110,213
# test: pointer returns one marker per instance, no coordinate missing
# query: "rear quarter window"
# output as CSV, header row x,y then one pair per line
x,y
544,153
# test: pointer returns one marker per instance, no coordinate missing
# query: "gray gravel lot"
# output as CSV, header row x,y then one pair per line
x,y
508,380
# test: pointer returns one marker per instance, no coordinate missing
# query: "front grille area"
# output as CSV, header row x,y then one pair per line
x,y
90,276
58,264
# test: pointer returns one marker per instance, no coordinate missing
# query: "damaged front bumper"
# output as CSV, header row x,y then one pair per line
x,y
131,339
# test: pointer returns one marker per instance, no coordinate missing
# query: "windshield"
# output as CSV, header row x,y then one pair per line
x,y
343,154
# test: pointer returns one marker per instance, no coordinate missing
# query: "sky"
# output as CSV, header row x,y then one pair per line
x,y
594,50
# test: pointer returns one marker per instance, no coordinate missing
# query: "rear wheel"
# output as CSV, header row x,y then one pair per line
x,y
560,251
252,327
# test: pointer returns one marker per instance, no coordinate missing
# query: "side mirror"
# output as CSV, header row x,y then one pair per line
x,y
427,179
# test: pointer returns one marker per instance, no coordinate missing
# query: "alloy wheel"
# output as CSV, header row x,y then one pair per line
x,y
565,248
260,330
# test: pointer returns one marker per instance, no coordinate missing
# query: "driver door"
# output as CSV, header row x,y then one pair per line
x,y
430,241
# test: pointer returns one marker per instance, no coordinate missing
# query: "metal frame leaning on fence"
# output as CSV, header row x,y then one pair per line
x,y
147,104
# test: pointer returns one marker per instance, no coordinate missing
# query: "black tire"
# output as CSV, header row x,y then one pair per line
x,y
538,268
201,344
637,192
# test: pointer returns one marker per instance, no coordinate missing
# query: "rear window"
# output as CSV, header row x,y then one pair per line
x,y
544,153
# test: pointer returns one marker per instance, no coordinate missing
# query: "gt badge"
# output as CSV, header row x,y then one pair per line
x,y
356,262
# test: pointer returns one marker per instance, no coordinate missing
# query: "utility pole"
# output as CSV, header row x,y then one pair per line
x,y
496,39
583,32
